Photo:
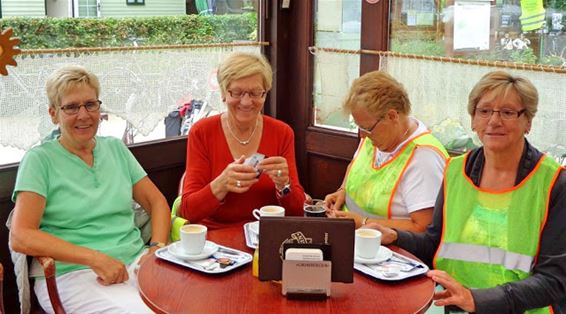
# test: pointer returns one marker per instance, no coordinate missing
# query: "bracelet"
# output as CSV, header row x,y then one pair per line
x,y
158,244
364,221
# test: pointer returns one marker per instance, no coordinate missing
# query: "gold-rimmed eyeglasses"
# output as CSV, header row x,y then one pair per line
x,y
505,114
90,106
255,94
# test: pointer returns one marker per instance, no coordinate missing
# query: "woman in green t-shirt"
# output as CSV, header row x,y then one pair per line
x,y
73,198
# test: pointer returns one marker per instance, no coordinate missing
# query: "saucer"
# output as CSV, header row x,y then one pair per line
x,y
382,255
254,227
176,250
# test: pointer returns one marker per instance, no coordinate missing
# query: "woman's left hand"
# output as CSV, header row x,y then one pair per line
x,y
277,170
342,214
455,293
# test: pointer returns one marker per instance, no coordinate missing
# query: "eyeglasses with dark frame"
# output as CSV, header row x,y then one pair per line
x,y
90,106
505,114
254,94
368,131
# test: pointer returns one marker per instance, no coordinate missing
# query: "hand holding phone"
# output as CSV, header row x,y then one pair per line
x,y
254,160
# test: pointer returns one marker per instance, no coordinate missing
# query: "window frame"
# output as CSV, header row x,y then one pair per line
x,y
135,2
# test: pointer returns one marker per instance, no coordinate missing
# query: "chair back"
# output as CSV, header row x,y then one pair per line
x,y
181,183
1,289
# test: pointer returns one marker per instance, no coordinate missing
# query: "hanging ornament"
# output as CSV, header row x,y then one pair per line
x,y
8,50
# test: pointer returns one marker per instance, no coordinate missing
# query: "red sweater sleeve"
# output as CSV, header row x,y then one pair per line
x,y
208,155
198,173
294,201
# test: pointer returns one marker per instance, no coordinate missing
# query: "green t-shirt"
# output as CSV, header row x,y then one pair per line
x,y
87,206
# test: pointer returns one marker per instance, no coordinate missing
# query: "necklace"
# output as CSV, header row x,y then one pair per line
x,y
244,142
406,131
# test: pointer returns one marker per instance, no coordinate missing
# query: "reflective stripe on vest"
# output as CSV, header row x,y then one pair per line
x,y
370,189
491,238
486,255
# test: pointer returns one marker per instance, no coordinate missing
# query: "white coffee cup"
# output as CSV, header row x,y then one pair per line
x,y
368,242
193,238
269,211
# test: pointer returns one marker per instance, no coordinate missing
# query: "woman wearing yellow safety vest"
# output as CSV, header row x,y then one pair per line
x,y
498,237
396,172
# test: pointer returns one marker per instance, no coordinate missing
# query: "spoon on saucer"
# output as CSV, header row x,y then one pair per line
x,y
390,274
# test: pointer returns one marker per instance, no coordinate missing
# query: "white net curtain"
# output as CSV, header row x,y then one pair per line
x,y
140,86
439,94
333,76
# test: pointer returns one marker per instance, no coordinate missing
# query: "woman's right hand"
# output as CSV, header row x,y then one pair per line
x,y
388,235
335,201
108,269
236,178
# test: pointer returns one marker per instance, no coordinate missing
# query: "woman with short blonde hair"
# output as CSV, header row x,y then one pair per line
x,y
221,188
73,198
396,172
497,239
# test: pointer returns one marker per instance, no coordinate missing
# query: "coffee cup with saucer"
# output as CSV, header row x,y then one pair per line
x,y
368,249
383,254
176,249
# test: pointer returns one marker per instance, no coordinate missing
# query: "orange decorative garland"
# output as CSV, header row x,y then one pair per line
x,y
7,50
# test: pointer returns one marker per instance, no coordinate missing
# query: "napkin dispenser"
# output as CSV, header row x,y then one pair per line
x,y
305,274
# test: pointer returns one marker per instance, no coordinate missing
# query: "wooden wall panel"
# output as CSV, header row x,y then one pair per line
x,y
328,155
325,175
164,161
7,181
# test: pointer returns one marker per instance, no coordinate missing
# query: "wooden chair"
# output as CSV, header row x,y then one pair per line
x,y
48,265
1,291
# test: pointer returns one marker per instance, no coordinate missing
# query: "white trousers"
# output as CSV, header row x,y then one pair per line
x,y
81,293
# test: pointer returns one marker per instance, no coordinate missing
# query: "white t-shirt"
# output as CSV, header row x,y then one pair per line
x,y
421,182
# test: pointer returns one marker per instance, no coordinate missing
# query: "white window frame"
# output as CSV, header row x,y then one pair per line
x,y
76,8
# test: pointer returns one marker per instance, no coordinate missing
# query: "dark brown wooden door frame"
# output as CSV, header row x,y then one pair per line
x,y
322,154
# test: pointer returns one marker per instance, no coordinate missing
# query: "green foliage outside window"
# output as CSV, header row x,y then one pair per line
x,y
45,33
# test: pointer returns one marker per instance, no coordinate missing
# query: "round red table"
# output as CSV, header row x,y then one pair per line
x,y
169,288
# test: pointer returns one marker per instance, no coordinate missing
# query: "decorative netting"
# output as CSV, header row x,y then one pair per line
x,y
438,88
333,76
439,94
139,85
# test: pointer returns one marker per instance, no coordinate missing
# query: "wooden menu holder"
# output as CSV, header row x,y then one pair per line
x,y
306,279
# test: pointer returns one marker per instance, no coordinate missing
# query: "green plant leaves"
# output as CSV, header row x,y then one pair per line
x,y
48,33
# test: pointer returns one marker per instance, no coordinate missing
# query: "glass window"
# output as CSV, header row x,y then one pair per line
x,y
529,31
484,34
88,8
337,25
147,94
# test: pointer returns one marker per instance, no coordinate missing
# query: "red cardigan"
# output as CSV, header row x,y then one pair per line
x,y
208,155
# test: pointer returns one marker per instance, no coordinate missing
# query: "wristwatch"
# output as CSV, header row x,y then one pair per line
x,y
284,191
158,244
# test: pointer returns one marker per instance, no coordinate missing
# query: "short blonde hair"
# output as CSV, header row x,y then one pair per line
x,y
243,64
502,82
377,92
66,78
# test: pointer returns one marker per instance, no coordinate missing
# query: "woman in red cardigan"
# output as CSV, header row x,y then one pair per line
x,y
219,188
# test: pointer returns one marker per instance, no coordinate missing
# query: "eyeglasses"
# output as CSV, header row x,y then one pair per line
x,y
505,114
90,106
368,131
254,94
